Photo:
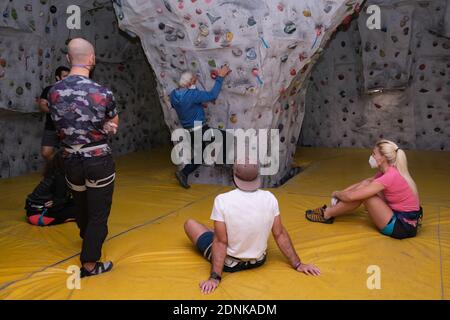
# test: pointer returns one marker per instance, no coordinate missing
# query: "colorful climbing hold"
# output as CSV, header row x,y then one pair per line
x,y
307,13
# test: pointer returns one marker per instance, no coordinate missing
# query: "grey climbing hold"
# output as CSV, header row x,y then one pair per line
x,y
251,53
290,27
212,18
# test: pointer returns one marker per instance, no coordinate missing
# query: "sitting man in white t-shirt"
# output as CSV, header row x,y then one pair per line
x,y
243,219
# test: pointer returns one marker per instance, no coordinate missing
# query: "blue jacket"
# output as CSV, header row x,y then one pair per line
x,y
188,103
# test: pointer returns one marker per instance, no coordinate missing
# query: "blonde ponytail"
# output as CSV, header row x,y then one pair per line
x,y
397,158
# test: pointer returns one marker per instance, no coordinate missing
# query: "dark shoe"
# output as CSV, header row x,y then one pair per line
x,y
182,179
100,267
316,215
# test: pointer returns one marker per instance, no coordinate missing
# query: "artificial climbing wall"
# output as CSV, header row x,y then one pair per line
x,y
33,36
391,83
271,47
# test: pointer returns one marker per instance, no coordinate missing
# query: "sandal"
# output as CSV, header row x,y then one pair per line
x,y
316,215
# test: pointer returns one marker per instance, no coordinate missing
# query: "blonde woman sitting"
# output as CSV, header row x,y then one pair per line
x,y
390,197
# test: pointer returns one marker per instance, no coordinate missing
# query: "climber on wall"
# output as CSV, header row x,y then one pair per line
x,y
390,197
84,114
187,100
50,202
243,219
50,139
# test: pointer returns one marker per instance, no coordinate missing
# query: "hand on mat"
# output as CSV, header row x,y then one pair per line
x,y
309,269
208,286
48,204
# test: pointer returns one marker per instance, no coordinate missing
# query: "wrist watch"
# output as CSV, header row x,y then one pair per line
x,y
215,276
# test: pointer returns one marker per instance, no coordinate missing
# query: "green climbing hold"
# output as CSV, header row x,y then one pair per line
x,y
14,14
19,91
212,63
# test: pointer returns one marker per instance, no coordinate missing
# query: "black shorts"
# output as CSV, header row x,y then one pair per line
x,y
204,245
50,139
406,224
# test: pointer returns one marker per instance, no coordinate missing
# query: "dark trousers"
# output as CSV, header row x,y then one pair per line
x,y
191,167
94,204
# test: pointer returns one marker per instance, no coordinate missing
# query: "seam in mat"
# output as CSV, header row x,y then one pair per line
x,y
7,284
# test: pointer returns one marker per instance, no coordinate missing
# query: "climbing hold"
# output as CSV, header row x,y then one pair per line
x,y
251,53
251,21
293,72
167,4
229,36
3,62
171,37
284,58
307,13
53,9
14,14
204,30
290,27
212,63
237,52
233,118
327,8
180,34
214,74
19,91
212,18
28,85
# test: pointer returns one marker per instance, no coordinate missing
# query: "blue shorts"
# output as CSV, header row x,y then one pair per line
x,y
403,224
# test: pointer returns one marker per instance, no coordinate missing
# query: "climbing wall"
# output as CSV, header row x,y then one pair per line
x,y
33,37
270,46
389,83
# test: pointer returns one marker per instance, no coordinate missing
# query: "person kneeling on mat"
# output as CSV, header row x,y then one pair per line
x,y
50,202
187,101
390,197
243,219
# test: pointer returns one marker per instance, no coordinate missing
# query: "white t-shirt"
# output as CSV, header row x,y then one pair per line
x,y
249,218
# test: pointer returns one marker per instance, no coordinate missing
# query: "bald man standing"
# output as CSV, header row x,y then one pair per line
x,y
84,114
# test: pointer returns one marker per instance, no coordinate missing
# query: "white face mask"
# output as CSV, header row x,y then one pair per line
x,y
373,163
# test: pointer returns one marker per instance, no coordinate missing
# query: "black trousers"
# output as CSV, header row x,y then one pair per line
x,y
191,167
92,205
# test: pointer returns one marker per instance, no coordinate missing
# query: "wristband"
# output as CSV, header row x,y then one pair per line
x,y
215,276
298,264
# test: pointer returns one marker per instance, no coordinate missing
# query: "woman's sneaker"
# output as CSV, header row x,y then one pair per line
x,y
317,215
100,267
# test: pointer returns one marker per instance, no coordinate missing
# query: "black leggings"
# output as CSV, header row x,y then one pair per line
x,y
93,204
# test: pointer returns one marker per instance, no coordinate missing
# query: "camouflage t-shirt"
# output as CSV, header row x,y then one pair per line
x,y
79,108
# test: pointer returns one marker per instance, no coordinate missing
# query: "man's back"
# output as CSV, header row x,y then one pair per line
x,y
248,217
79,109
